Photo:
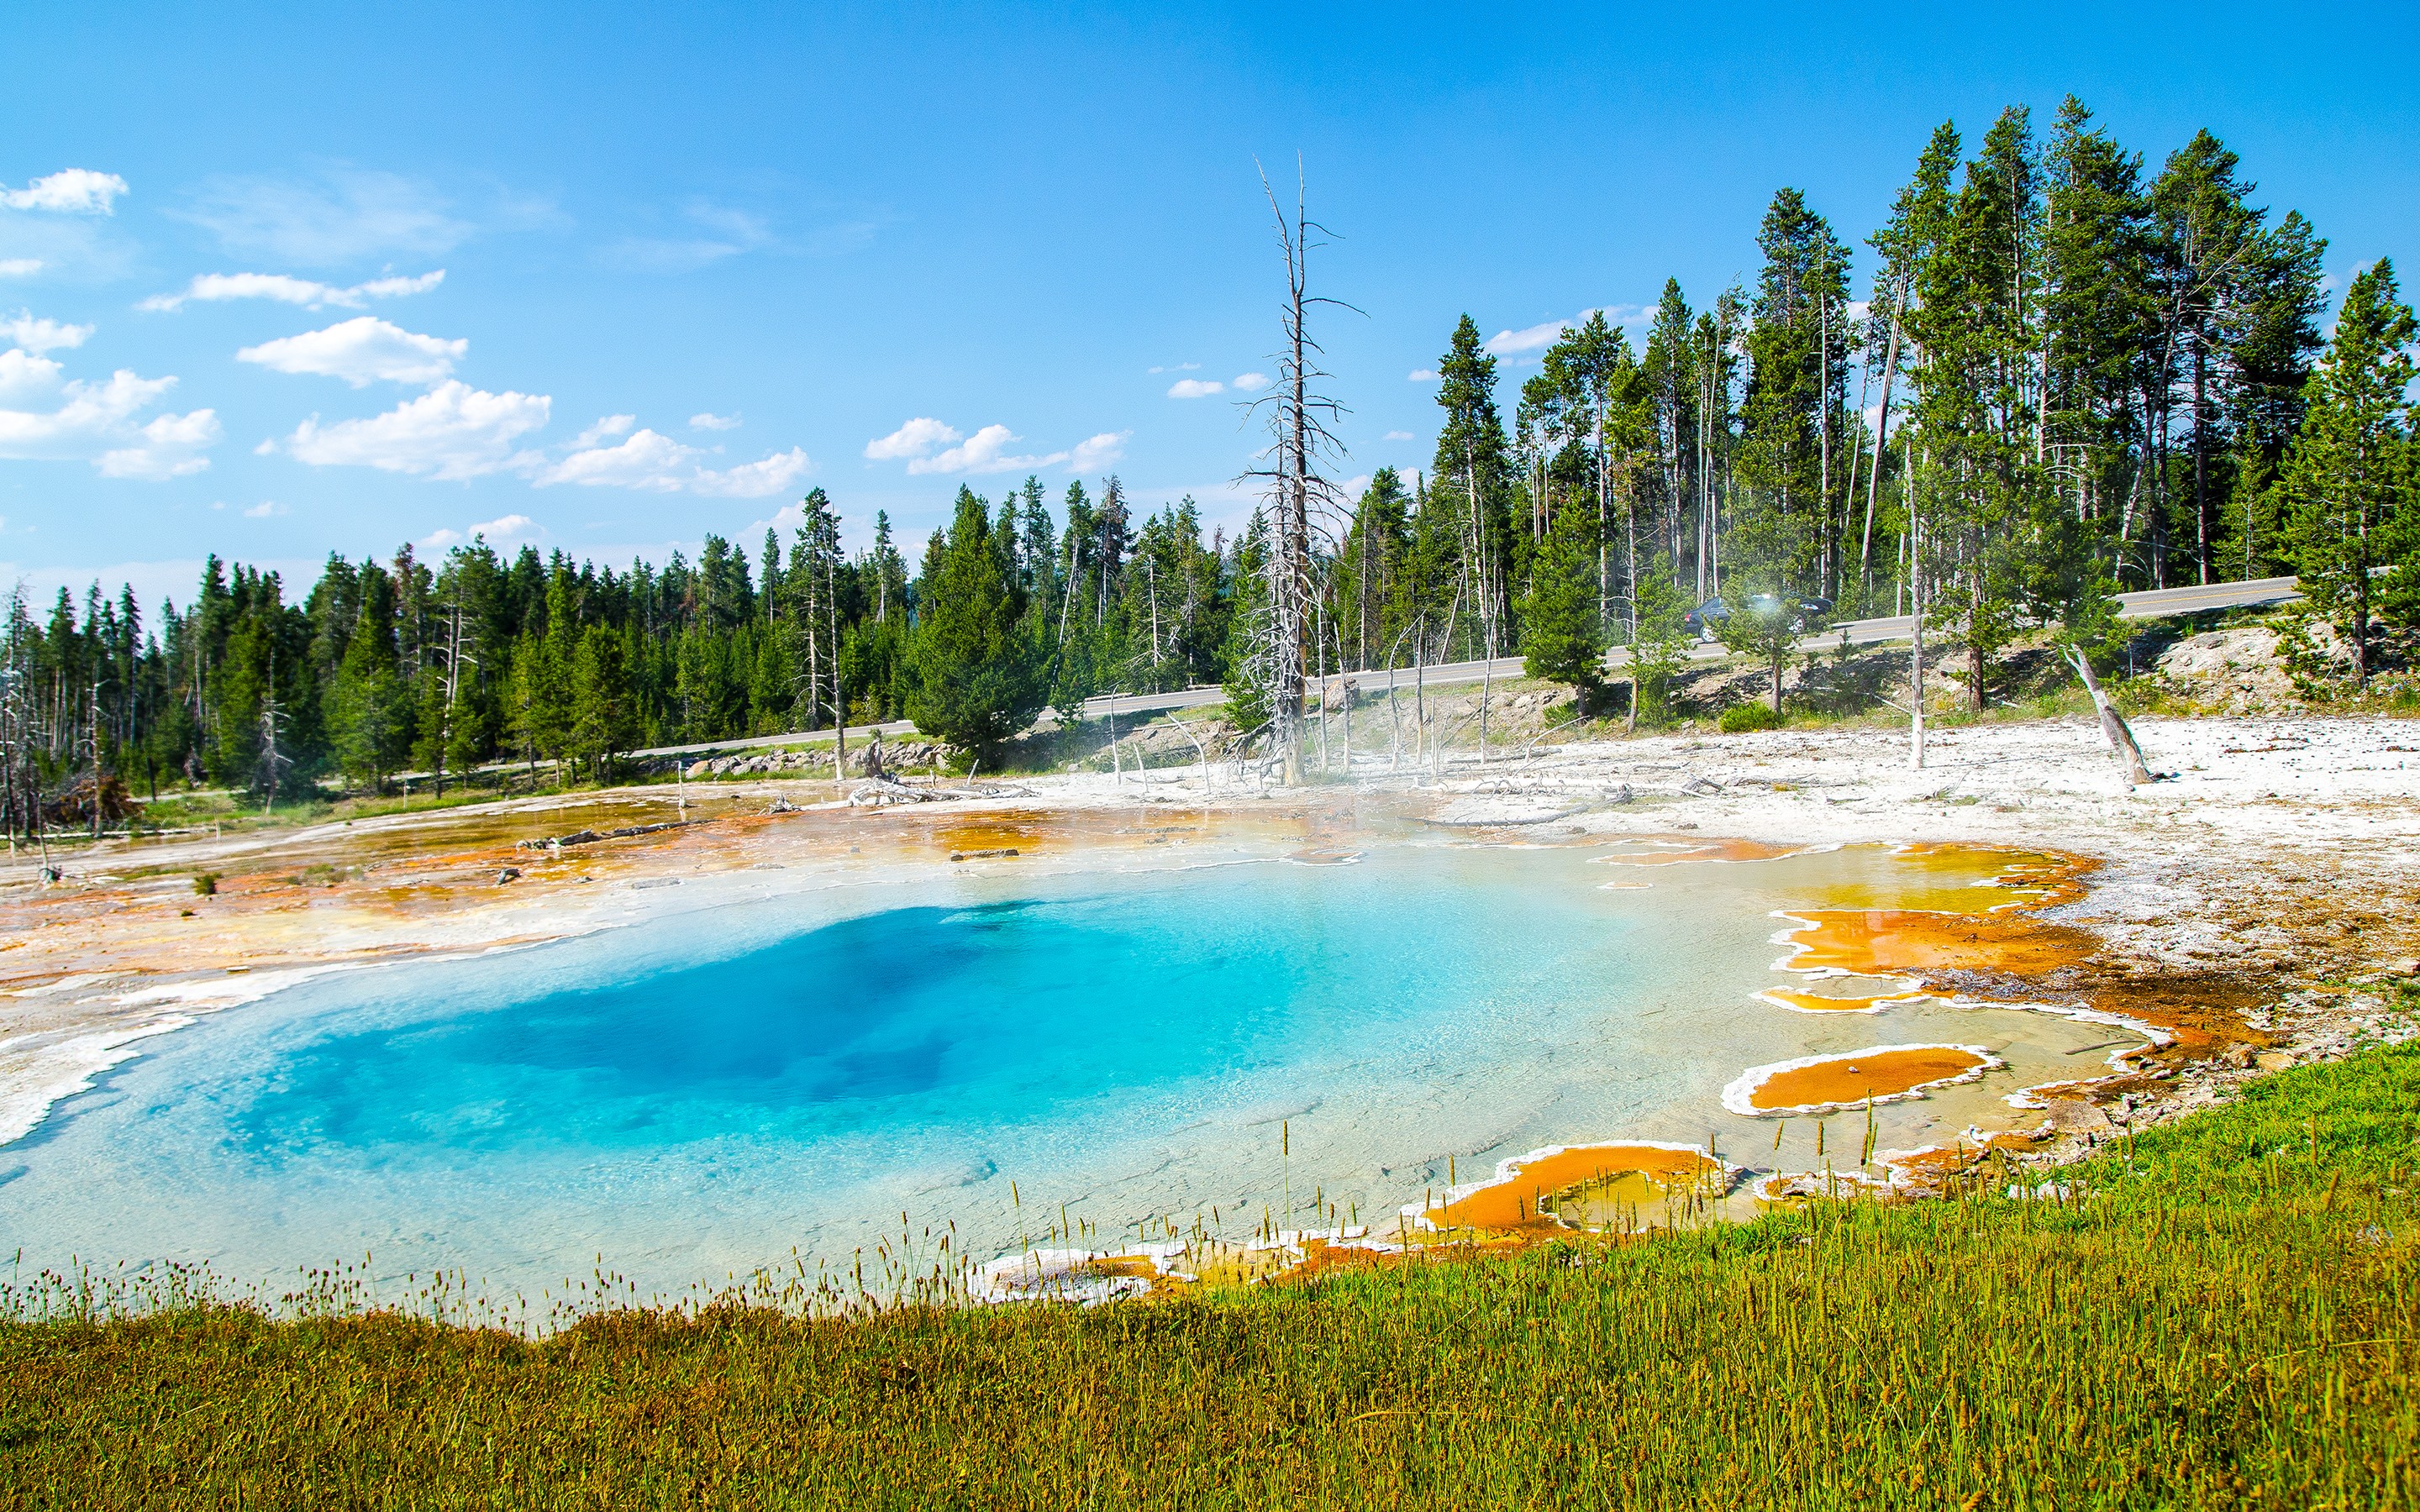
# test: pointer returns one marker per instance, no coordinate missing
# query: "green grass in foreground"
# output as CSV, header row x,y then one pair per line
x,y
2226,1319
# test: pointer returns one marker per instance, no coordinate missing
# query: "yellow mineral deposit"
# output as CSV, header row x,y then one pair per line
x,y
1522,1196
1848,1080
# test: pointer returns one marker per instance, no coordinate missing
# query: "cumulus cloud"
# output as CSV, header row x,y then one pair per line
x,y
71,191
1545,334
361,350
1397,435
38,335
1195,388
1177,368
453,432
653,462
286,289
170,446
707,420
345,215
982,452
1251,382
916,439
929,446
20,267
1098,451
266,509
496,532
24,376
648,459
1420,375
51,418
609,425
754,480
1530,338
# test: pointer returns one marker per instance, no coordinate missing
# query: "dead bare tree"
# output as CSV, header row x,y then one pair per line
x,y
1302,501
2113,724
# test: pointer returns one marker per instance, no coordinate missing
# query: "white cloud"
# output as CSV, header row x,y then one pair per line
x,y
648,459
71,191
1195,388
451,433
1529,338
1177,368
707,420
754,480
20,267
96,421
39,336
360,351
608,426
1420,375
1098,451
915,438
654,462
266,509
1251,382
170,447
286,289
347,215
24,376
980,452
510,527
985,451
1397,435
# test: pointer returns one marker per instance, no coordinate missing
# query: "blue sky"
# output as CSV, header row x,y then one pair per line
x,y
697,260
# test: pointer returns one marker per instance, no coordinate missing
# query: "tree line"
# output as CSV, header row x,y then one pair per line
x,y
2069,375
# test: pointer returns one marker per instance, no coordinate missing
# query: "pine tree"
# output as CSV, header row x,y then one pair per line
x,y
975,679
2349,476
603,723
1561,636
371,720
1659,649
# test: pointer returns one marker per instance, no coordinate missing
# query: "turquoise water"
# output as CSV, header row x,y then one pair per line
x,y
703,1091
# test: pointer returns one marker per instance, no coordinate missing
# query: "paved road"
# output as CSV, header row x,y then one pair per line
x,y
2148,604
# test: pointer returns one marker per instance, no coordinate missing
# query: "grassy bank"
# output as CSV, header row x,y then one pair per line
x,y
2223,1314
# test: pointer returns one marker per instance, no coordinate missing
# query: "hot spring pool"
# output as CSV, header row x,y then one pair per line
x,y
709,1088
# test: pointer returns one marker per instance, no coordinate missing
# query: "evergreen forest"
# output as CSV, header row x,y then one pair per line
x,y
2058,371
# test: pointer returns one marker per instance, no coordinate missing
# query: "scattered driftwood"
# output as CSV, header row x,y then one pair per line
x,y
977,856
2113,724
590,837
1505,824
877,791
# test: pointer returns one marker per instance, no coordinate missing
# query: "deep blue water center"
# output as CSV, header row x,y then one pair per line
x,y
703,1090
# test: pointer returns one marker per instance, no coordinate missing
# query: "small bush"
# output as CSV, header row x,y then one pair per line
x,y
206,884
1744,718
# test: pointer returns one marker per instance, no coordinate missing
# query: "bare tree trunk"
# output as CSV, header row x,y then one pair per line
x,y
839,694
1915,664
1882,426
2113,724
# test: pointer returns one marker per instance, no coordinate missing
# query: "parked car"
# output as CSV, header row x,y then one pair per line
x,y
1699,622
1704,621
